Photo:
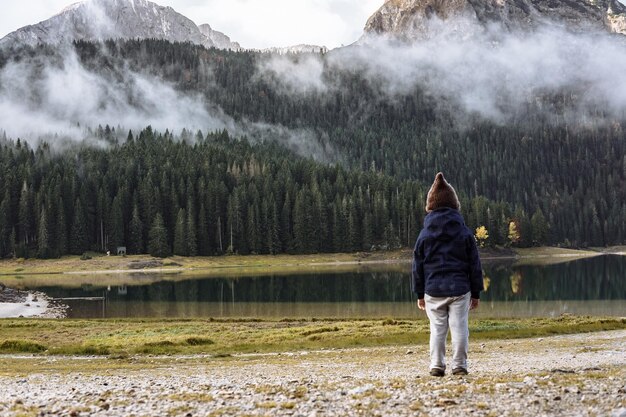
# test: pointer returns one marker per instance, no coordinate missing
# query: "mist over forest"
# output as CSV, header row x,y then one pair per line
x,y
527,127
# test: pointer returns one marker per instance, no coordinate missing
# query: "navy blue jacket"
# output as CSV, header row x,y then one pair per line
x,y
445,259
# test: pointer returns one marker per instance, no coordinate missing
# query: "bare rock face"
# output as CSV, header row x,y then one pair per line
x,y
219,40
411,19
116,19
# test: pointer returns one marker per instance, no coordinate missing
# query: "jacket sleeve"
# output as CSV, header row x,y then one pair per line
x,y
475,269
417,275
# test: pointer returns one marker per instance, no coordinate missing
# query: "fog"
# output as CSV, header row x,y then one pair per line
x,y
490,72
42,98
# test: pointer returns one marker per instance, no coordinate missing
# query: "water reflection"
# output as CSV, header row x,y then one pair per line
x,y
595,286
599,278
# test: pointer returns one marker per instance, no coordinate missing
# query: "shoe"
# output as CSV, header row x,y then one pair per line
x,y
459,371
437,372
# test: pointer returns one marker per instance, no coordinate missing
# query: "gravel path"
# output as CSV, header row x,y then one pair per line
x,y
575,375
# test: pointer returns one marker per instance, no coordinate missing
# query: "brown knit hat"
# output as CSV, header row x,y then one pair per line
x,y
441,194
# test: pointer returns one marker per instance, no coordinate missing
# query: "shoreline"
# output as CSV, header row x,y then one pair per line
x,y
137,264
29,304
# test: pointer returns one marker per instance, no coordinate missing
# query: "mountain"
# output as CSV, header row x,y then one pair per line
x,y
410,19
220,41
118,19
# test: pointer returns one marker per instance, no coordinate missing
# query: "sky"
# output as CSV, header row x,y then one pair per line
x,y
252,23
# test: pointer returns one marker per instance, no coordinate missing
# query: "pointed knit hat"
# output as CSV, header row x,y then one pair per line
x,y
441,194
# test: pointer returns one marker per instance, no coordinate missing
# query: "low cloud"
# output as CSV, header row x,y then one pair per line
x,y
41,97
289,74
490,72
58,97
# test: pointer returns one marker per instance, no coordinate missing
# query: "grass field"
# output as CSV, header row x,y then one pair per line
x,y
225,337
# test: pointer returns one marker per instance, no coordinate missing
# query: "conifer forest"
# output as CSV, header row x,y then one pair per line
x,y
529,181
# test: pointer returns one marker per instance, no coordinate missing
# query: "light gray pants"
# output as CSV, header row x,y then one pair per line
x,y
452,312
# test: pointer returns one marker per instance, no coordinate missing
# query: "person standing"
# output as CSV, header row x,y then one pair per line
x,y
447,276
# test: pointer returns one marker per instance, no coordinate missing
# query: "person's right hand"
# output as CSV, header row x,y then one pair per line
x,y
474,303
421,304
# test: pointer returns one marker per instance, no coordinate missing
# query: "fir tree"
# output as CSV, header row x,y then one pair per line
x,y
43,244
78,241
180,238
190,230
116,225
157,245
135,232
61,229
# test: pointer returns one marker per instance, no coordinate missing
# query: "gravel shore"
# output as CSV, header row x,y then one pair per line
x,y
574,375
16,303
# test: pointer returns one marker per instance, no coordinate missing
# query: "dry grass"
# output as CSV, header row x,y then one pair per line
x,y
120,338
216,265
71,272
550,256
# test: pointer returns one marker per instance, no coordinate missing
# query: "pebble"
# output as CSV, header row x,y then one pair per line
x,y
620,412
345,382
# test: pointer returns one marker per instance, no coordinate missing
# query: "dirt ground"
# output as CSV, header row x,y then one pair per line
x,y
573,375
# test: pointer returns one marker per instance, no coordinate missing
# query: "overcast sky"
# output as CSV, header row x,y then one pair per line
x,y
252,23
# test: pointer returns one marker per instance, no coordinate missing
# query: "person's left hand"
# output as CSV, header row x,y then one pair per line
x,y
474,303
421,304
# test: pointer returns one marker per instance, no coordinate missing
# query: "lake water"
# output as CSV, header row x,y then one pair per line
x,y
592,286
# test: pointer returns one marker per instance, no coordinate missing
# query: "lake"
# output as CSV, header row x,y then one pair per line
x,y
592,286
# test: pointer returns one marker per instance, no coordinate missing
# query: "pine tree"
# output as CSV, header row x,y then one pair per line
x,y
204,235
180,238
252,230
5,225
116,225
43,245
354,227
539,228
190,230
367,231
340,227
135,232
286,225
157,245
78,241
25,215
13,243
302,224
273,233
391,237
61,229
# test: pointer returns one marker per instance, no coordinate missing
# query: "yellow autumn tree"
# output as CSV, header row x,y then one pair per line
x,y
482,235
486,283
514,236
516,283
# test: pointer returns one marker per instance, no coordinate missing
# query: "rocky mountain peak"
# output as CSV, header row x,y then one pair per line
x,y
220,40
410,19
117,19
